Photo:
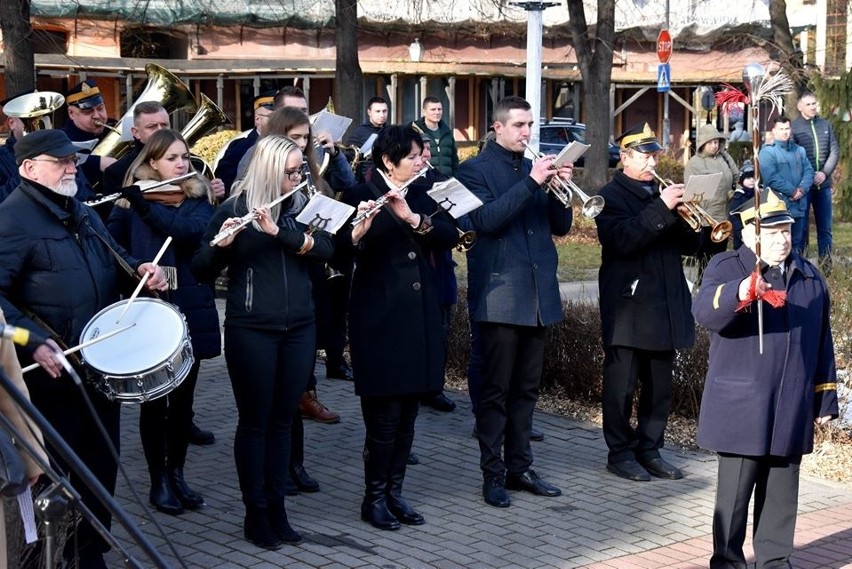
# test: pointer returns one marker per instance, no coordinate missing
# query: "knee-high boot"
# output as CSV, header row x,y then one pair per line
x,y
396,503
374,508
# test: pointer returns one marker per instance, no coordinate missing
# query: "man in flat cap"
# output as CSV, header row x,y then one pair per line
x,y
644,304
236,148
758,410
56,273
87,120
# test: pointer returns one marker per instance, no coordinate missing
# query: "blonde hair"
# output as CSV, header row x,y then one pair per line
x,y
266,172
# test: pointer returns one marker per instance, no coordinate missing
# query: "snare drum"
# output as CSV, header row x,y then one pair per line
x,y
146,361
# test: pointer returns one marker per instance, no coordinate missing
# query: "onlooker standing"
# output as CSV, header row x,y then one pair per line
x,y
758,411
645,306
377,117
513,294
785,168
815,135
445,157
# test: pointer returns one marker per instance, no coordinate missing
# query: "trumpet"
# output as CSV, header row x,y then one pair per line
x,y
108,127
466,240
380,202
251,216
696,216
565,190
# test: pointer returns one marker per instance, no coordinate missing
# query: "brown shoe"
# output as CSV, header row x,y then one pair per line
x,y
311,408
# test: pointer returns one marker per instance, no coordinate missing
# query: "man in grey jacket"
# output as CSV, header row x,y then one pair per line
x,y
815,135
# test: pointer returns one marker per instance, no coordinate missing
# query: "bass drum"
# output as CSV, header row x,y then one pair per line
x,y
145,362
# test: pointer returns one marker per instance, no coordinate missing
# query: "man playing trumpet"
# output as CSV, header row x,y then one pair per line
x,y
645,305
87,120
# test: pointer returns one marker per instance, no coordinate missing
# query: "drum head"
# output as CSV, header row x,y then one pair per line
x,y
158,332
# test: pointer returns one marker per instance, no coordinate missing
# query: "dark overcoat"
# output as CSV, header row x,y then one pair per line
x,y
395,323
764,404
644,299
511,271
144,235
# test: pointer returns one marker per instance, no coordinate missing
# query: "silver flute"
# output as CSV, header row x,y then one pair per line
x,y
147,188
380,201
252,215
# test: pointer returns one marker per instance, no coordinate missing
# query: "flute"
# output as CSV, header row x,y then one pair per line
x,y
252,215
380,201
145,188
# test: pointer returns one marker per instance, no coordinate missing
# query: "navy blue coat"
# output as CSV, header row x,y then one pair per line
x,y
511,271
92,166
52,263
226,167
644,298
760,405
143,236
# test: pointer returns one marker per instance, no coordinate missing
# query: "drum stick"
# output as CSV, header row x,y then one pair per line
x,y
87,344
144,278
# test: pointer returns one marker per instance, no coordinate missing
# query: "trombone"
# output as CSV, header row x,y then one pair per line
x,y
696,216
565,190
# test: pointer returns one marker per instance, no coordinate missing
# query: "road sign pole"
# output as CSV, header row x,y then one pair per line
x,y
664,53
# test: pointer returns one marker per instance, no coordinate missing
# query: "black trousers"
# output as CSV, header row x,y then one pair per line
x,y
269,371
623,369
512,360
164,425
330,298
390,420
774,483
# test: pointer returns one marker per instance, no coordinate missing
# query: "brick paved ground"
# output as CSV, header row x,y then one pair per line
x,y
600,520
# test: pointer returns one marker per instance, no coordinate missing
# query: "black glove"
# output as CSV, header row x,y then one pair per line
x,y
133,194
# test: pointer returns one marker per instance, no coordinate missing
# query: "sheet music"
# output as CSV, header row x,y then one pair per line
x,y
335,125
25,505
325,214
367,148
701,187
571,153
454,197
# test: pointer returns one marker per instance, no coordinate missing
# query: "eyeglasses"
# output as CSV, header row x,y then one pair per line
x,y
63,162
293,175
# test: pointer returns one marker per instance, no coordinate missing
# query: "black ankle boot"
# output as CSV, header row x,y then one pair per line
x,y
281,526
188,498
162,496
258,530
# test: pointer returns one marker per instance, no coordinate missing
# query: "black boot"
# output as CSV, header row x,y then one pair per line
x,y
374,508
162,496
258,530
280,525
396,503
303,481
188,498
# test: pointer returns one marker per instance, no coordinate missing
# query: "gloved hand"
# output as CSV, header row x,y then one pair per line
x,y
133,194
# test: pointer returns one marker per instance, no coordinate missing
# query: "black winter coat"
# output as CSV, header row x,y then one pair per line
x,y
644,299
144,234
52,263
395,323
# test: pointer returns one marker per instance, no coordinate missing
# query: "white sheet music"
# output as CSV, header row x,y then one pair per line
x,y
367,148
25,504
325,213
454,197
571,153
335,125
701,187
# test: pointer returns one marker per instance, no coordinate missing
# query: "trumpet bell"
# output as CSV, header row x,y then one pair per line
x,y
34,109
466,240
593,206
721,231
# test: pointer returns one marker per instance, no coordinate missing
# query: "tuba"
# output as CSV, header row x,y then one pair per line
x,y
162,87
208,118
34,109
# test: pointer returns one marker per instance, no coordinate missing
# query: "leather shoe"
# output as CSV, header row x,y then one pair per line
x,y
536,436
290,488
530,482
200,437
412,459
338,370
162,496
302,479
629,469
311,408
661,469
494,492
439,402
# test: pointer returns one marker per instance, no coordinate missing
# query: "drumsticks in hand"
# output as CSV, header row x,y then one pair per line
x,y
144,279
86,344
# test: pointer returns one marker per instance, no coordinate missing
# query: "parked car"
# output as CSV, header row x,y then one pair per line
x,y
555,133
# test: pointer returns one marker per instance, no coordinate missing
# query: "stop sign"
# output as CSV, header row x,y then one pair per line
x,y
664,46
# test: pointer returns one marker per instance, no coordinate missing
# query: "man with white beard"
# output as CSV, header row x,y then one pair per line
x,y
56,273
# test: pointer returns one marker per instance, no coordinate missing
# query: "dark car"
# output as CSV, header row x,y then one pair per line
x,y
555,134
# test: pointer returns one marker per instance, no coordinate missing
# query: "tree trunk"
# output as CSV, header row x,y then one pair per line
x,y
790,59
595,59
18,42
348,79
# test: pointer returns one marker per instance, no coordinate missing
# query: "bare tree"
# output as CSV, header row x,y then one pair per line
x,y
18,41
594,55
789,58
348,79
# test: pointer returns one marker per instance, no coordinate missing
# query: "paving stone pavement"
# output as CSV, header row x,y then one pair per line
x,y
600,521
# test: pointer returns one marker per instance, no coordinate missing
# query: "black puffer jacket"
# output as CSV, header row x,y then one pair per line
x,y
53,263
